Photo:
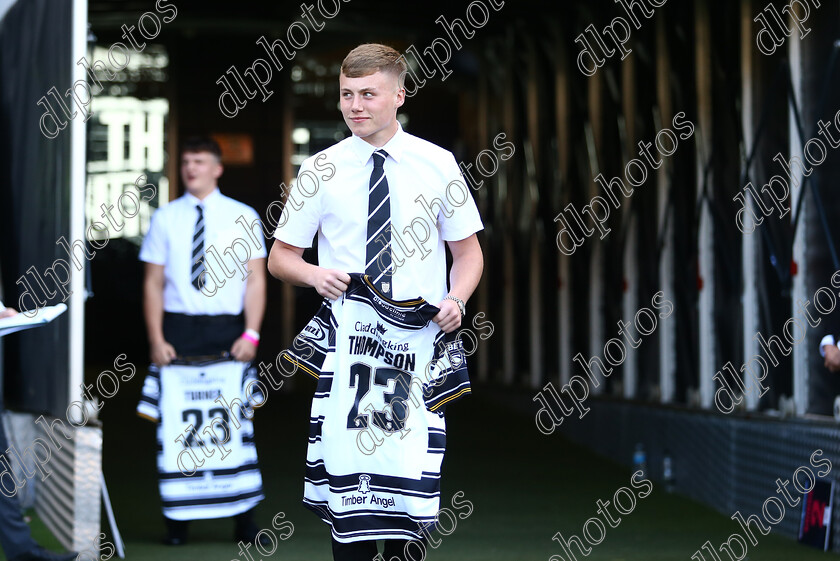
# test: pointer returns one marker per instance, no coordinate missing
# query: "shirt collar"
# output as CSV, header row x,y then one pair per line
x,y
363,150
208,200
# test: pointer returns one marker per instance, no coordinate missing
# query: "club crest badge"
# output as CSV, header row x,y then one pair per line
x,y
364,484
455,352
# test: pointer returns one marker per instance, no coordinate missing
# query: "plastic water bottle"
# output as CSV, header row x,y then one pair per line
x,y
640,460
668,472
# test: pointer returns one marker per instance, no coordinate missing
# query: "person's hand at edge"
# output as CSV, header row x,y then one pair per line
x,y
449,317
329,283
162,353
832,358
7,312
243,350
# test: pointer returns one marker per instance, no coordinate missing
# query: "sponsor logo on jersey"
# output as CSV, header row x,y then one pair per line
x,y
374,500
364,489
378,331
313,330
455,352
392,311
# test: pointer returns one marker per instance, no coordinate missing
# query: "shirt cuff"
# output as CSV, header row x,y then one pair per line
x,y
827,340
296,241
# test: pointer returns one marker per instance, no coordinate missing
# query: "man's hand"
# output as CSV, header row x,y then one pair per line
x,y
162,353
7,312
832,358
330,283
243,350
286,263
449,317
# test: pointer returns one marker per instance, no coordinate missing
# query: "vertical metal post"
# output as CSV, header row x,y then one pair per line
x,y
596,263
288,326
667,330
749,241
629,298
705,250
799,290
537,235
629,305
483,293
509,294
564,280
78,155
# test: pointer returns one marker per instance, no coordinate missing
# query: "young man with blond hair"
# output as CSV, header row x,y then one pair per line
x,y
389,209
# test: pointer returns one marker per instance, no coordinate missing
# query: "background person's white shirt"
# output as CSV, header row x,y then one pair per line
x,y
827,340
337,211
169,243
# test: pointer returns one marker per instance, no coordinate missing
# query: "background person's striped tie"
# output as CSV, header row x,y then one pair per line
x,y
198,251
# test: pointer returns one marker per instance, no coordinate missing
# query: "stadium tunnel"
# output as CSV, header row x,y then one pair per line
x,y
616,183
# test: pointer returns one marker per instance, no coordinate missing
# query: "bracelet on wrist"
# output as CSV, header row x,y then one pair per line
x,y
253,333
461,306
251,336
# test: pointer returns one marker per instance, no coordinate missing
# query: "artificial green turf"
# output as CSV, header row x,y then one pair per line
x,y
524,487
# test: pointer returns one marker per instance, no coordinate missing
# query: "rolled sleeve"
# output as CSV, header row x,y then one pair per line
x,y
301,216
464,220
258,233
154,248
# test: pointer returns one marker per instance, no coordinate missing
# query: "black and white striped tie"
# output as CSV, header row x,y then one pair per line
x,y
379,266
198,251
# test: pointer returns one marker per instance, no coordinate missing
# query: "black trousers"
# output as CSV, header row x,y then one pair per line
x,y
395,550
245,528
202,335
14,532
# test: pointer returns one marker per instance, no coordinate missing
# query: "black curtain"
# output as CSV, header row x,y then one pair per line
x,y
35,55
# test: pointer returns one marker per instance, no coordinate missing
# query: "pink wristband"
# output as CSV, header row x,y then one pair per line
x,y
253,340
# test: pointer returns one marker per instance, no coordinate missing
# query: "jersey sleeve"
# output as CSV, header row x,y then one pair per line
x,y
310,347
154,248
301,216
149,406
448,380
464,221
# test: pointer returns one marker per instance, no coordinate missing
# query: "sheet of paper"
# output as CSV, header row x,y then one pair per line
x,y
20,322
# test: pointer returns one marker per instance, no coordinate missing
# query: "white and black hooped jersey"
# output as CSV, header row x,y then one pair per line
x,y
228,481
377,433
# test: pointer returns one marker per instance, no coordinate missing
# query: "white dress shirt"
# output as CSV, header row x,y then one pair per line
x,y
330,198
169,243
